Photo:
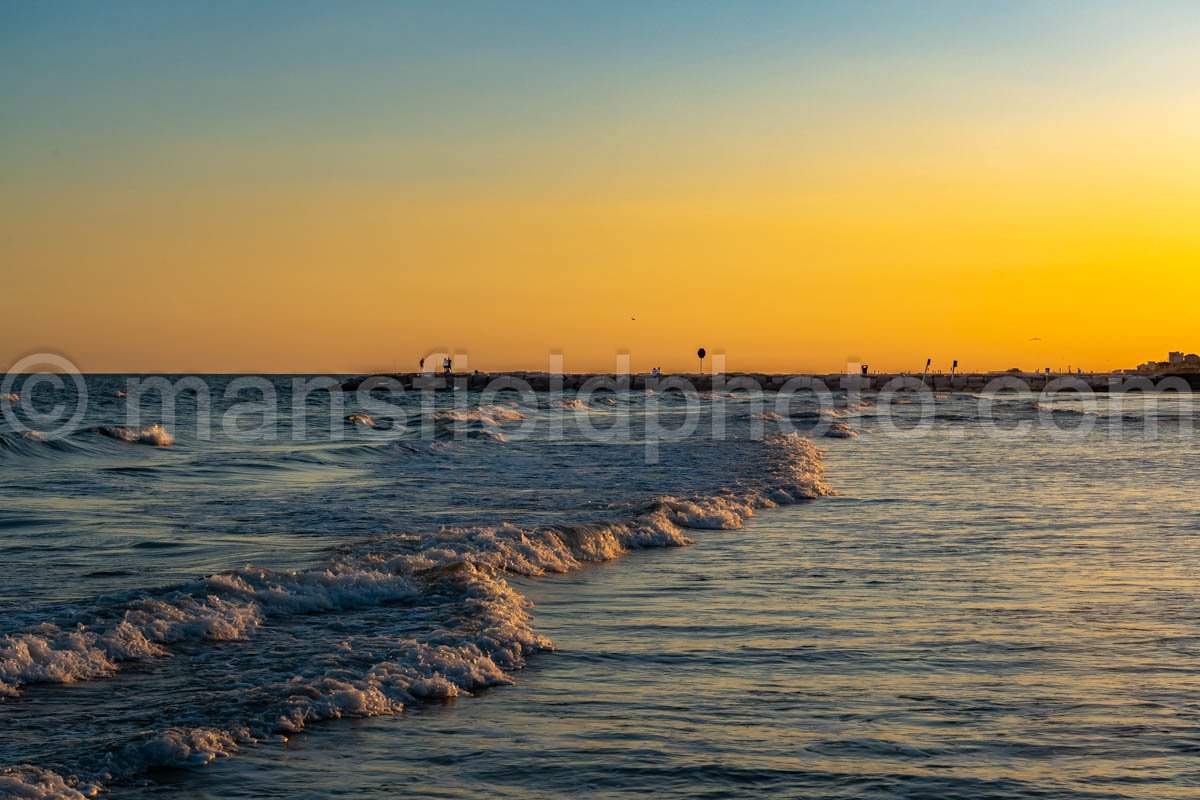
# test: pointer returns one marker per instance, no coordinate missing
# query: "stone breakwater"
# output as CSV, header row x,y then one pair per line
x,y
965,382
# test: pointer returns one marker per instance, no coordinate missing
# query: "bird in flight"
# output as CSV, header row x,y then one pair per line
x,y
1036,339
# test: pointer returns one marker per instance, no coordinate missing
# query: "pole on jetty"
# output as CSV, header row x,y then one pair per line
x,y
953,368
701,353
928,361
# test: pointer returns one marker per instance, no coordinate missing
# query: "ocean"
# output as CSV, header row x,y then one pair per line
x,y
268,590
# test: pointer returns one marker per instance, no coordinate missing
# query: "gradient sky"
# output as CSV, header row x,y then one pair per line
x,y
342,187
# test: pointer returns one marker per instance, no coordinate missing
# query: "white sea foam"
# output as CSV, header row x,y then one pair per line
x,y
489,413
33,783
230,606
155,435
181,748
221,607
857,407
485,636
1057,409
51,655
712,513
840,430
360,419
11,397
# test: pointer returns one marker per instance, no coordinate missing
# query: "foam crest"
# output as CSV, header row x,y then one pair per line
x,y
481,631
220,608
710,513
33,783
183,748
230,606
154,435
51,655
1080,412
489,413
840,430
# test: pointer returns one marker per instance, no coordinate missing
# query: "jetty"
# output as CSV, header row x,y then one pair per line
x,y
773,382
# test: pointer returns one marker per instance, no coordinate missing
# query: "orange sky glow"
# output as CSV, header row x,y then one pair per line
x,y
796,206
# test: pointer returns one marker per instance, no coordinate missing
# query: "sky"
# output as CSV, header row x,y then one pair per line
x,y
345,187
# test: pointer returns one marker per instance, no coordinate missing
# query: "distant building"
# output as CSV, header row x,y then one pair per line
x,y
1176,361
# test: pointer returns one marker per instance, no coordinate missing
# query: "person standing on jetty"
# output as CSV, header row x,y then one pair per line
x,y
446,365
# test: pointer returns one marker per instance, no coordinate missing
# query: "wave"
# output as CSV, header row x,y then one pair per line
x,y
481,636
489,413
221,607
154,435
765,416
360,419
230,606
840,430
33,783
445,436
35,444
1061,409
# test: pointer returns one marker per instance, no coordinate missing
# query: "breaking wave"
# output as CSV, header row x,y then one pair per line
x,y
32,783
154,435
840,430
457,575
492,414
1056,409
765,416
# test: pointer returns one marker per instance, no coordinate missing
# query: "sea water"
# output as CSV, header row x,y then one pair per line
x,y
830,601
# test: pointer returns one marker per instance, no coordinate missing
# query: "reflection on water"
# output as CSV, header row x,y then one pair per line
x,y
970,618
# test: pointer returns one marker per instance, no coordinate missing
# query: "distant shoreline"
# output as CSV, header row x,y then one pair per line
x,y
771,382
